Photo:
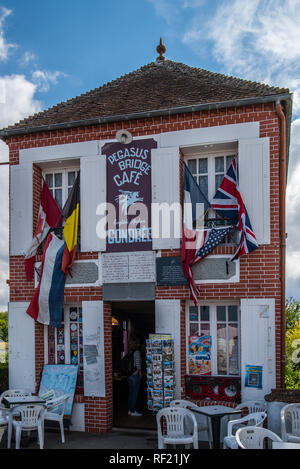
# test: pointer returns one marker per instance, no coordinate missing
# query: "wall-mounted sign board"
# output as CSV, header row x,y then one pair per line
x,y
169,271
130,267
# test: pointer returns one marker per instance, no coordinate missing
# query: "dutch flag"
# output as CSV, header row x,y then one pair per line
x,y
46,305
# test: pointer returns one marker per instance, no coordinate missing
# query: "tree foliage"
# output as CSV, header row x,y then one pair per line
x,y
292,344
4,326
292,312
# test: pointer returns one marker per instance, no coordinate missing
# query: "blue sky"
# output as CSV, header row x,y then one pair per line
x,y
53,51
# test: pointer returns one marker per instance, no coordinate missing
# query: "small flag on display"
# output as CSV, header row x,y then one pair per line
x,y
46,305
71,215
228,203
49,217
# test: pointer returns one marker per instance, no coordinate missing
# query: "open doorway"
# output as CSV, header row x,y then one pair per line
x,y
131,320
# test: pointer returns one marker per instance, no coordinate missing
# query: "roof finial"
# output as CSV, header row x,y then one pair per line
x,y
161,49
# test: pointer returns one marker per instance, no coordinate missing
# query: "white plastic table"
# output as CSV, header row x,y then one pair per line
x,y
285,445
215,412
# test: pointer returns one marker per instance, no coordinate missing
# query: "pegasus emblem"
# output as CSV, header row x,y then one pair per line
x,y
128,198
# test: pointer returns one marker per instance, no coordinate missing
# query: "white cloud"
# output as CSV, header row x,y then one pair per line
x,y
17,100
27,58
4,45
167,9
257,40
44,79
292,214
3,228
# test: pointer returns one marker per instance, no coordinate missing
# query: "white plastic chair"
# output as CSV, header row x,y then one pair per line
x,y
290,423
175,424
55,412
253,406
254,437
2,430
8,414
14,393
255,419
202,427
31,418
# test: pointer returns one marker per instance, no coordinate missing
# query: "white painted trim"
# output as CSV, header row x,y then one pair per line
x,y
77,285
234,279
21,347
60,152
215,134
265,350
46,345
71,150
210,135
77,419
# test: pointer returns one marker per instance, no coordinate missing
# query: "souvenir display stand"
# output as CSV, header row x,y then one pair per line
x,y
160,371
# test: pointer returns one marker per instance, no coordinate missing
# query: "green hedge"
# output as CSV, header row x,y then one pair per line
x,y
3,377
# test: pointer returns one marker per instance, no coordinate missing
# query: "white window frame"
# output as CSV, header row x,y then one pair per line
x,y
64,171
211,155
213,332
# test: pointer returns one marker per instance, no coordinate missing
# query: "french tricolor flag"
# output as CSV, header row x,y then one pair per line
x,y
46,305
192,238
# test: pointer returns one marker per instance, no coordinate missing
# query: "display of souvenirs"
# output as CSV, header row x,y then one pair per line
x,y
199,355
160,371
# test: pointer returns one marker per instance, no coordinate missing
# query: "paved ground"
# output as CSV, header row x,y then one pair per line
x,y
117,439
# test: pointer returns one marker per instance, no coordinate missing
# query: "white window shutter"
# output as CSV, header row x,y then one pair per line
x,y
166,189
92,193
254,182
93,348
167,321
258,344
21,194
21,347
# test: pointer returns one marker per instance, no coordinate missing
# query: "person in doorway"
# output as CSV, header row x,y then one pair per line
x,y
134,380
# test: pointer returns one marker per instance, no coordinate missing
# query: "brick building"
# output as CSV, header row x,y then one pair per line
x,y
184,114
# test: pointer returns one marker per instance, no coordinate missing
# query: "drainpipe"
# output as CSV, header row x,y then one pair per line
x,y
282,182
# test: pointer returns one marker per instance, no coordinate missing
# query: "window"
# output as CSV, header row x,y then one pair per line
x,y
60,183
65,345
209,171
221,322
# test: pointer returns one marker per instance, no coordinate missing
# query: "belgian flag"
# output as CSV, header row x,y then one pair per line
x,y
71,215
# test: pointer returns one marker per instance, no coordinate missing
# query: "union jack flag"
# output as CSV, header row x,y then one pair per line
x,y
228,203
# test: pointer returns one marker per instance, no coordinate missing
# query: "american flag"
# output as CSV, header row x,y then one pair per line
x,y
211,239
228,203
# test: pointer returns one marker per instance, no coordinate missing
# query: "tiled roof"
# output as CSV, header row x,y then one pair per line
x,y
159,85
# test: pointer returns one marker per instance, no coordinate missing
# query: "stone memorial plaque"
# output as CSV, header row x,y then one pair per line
x,y
169,271
130,267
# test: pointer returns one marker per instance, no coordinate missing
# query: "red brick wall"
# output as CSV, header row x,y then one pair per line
x,y
259,272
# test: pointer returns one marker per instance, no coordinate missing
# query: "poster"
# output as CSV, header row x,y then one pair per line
x,y
61,379
199,355
253,376
129,193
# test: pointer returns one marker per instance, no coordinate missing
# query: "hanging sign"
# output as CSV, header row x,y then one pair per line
x,y
129,195
200,355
